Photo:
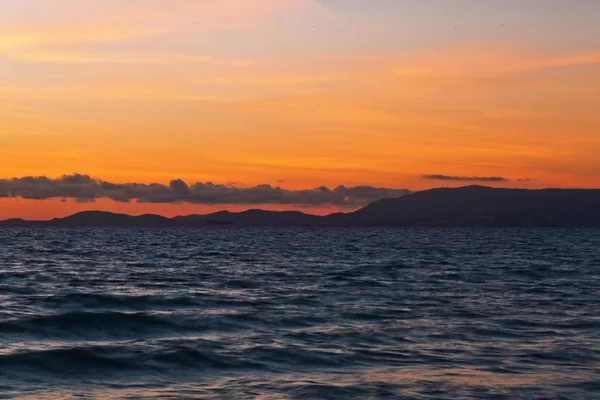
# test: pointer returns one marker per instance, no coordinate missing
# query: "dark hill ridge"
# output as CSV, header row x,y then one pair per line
x,y
485,206
106,219
251,218
15,222
451,207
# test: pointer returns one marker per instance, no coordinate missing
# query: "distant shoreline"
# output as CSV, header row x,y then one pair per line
x,y
469,206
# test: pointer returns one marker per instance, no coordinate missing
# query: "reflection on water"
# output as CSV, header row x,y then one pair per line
x,y
411,382
300,313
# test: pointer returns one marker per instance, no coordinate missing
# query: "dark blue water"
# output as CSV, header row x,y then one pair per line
x,y
300,313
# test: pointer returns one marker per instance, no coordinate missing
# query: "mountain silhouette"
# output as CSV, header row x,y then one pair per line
x,y
250,218
107,219
447,207
485,206
16,222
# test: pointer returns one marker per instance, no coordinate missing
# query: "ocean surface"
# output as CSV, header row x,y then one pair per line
x,y
300,313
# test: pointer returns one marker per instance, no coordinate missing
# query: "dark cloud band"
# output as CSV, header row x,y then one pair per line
x,y
436,177
83,188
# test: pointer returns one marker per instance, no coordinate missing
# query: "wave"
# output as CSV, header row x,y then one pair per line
x,y
115,359
114,301
88,324
299,313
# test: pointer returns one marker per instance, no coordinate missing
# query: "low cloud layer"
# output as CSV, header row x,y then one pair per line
x,y
83,188
436,177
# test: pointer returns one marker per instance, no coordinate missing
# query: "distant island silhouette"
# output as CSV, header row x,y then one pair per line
x,y
469,206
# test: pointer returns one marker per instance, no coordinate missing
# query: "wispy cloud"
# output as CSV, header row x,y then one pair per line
x,y
438,177
490,66
56,21
83,188
93,31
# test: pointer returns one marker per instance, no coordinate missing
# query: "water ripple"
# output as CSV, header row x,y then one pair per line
x,y
300,313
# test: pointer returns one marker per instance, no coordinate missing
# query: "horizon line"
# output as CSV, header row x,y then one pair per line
x,y
350,211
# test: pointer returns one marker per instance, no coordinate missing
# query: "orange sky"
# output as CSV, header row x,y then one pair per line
x,y
246,93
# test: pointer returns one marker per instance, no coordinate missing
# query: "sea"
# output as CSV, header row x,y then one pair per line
x,y
302,313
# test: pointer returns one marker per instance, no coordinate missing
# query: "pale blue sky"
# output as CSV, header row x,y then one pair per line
x,y
351,25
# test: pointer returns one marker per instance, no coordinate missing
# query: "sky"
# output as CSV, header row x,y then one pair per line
x,y
238,104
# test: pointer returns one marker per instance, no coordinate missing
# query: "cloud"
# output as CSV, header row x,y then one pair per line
x,y
83,188
437,177
484,67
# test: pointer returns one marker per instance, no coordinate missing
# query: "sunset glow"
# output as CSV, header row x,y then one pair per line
x,y
297,94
